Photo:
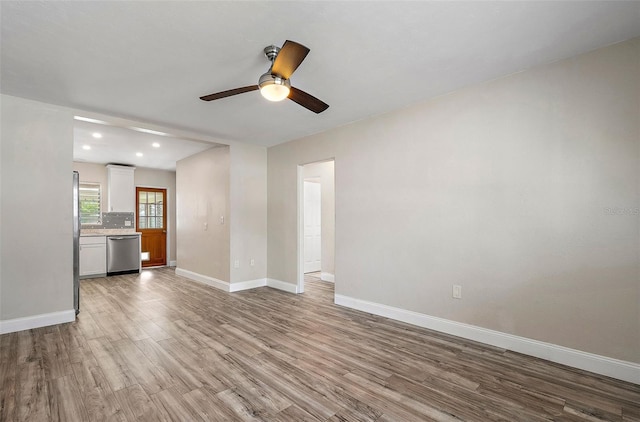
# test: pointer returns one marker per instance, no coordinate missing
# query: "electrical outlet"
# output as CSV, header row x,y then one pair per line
x,y
206,226
236,263
457,291
253,262
222,219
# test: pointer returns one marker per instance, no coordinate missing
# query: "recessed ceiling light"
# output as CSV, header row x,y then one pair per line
x,y
155,145
139,154
97,135
86,147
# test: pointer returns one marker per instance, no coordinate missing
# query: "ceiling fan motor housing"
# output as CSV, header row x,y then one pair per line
x,y
271,52
268,79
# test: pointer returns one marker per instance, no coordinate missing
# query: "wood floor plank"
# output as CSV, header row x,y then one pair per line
x,y
157,347
209,406
150,377
8,401
33,393
77,346
137,406
99,400
64,400
202,364
87,324
172,403
113,365
176,371
54,354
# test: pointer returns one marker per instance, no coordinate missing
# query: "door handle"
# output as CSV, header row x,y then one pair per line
x,y
164,231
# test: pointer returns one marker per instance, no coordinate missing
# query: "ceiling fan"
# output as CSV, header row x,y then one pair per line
x,y
274,85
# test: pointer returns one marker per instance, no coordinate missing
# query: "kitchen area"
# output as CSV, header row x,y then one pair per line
x,y
108,242
126,193
127,186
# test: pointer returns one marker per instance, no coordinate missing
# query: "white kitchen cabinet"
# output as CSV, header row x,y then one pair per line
x,y
93,256
121,187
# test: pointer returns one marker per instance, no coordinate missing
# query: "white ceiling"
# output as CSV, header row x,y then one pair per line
x,y
120,145
150,61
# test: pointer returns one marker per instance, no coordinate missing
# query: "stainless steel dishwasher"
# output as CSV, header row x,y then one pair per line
x,y
123,254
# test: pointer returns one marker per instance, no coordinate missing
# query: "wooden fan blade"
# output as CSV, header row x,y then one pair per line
x,y
307,101
288,59
229,93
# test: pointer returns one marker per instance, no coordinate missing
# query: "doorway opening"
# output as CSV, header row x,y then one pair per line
x,y
316,222
151,221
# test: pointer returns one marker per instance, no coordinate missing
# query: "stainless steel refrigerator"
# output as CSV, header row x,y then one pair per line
x,y
76,241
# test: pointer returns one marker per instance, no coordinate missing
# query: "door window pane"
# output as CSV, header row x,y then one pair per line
x,y
150,209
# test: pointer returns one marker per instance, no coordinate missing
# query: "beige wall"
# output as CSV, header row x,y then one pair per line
x,y
323,172
248,212
202,190
36,238
502,188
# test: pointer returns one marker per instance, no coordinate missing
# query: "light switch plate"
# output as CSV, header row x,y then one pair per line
x,y
457,291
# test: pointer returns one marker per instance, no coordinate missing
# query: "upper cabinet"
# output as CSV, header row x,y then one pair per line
x,y
122,191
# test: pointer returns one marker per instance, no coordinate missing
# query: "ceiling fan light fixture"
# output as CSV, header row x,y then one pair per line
x,y
274,88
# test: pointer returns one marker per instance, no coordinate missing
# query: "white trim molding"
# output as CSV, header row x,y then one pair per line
x,y
210,281
173,263
220,284
246,285
327,277
236,287
619,369
282,285
36,321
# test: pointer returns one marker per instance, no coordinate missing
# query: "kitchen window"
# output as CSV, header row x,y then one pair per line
x,y
90,203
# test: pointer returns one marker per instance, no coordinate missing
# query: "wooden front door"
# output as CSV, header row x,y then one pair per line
x,y
151,204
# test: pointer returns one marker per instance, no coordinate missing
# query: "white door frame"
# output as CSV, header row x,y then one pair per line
x,y
169,220
300,217
300,213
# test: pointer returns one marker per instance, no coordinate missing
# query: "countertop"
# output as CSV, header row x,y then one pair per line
x,y
108,232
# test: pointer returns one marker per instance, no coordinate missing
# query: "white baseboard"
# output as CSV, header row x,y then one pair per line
x,y
619,369
220,284
327,277
246,285
282,285
36,321
173,263
210,281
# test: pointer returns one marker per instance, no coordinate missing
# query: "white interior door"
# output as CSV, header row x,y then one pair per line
x,y
312,225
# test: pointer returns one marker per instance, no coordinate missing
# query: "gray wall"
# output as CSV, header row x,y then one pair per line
x,y
248,213
505,188
36,238
202,187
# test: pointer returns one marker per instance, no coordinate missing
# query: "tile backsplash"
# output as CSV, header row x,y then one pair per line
x,y
114,220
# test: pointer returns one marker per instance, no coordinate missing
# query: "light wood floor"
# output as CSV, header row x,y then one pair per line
x,y
158,347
